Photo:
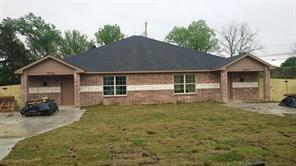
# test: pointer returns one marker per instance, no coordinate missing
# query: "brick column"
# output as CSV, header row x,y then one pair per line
x,y
266,84
24,87
224,86
77,89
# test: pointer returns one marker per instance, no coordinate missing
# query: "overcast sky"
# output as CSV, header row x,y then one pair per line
x,y
275,20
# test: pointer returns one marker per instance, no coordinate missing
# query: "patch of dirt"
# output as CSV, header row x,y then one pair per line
x,y
134,155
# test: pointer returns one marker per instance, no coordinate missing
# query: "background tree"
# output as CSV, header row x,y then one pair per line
x,y
108,34
236,38
288,67
74,42
197,36
13,54
290,62
41,38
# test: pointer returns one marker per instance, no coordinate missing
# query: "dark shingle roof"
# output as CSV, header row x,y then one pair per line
x,y
139,53
227,61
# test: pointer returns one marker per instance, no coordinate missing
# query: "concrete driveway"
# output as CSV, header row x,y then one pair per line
x,y
14,127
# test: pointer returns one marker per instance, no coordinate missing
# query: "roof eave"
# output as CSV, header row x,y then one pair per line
x,y
20,70
250,55
137,72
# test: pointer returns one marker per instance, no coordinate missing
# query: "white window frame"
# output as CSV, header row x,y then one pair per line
x,y
114,86
184,84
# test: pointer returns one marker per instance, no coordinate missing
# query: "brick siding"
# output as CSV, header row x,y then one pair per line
x,y
149,96
224,86
244,93
90,98
51,81
24,87
77,89
55,96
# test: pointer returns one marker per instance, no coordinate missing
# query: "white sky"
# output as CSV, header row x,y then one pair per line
x,y
275,20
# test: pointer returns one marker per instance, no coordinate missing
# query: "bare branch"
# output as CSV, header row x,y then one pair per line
x,y
237,38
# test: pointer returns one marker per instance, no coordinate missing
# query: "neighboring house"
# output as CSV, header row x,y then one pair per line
x,y
142,70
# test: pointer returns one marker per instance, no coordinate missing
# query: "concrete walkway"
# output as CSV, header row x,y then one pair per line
x,y
14,127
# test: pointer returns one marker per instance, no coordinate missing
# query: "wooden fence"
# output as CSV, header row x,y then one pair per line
x,y
12,90
278,88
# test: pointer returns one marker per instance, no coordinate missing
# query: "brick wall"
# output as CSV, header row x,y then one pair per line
x,y
38,82
208,88
90,98
162,96
149,96
245,93
224,86
90,79
24,87
210,77
247,76
55,96
76,85
248,86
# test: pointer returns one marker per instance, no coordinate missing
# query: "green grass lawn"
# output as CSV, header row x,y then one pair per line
x,y
167,134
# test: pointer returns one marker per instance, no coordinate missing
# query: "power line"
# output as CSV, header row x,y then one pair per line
x,y
278,57
275,59
278,35
277,54
277,45
165,2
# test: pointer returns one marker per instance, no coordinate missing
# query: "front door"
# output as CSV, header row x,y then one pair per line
x,y
67,90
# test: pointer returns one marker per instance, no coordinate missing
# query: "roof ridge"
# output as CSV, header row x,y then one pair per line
x,y
170,44
137,53
147,38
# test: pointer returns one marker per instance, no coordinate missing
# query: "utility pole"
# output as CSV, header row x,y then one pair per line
x,y
146,28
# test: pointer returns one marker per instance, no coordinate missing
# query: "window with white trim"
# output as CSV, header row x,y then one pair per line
x,y
184,83
114,85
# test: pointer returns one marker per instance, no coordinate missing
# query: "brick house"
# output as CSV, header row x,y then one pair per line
x,y
139,70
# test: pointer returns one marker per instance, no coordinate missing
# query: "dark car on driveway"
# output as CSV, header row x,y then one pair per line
x,y
44,106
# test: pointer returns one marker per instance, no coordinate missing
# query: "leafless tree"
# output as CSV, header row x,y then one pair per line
x,y
236,38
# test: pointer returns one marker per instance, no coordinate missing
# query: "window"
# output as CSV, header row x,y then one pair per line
x,y
114,85
184,83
